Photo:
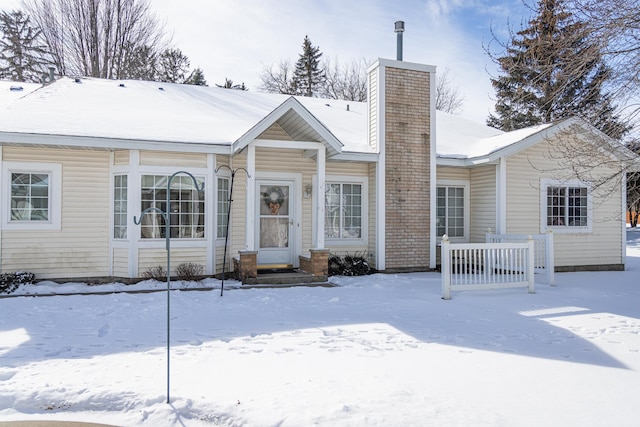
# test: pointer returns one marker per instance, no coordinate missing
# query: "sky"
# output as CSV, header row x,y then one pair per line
x,y
378,350
237,39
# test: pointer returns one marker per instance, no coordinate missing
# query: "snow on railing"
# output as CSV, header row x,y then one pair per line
x,y
479,266
543,250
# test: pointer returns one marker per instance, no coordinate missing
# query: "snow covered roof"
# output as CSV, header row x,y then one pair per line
x,y
154,111
10,91
458,138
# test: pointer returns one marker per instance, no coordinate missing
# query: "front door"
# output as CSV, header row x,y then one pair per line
x,y
275,223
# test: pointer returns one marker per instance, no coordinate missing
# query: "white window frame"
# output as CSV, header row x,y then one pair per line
x,y
217,202
363,182
198,173
113,204
545,183
54,170
467,197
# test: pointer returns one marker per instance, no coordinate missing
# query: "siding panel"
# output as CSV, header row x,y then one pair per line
x,y
81,247
482,202
602,245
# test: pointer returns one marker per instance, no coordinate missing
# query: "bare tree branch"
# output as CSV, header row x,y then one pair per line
x,y
448,98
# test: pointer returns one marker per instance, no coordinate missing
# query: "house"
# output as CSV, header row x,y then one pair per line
x,y
83,158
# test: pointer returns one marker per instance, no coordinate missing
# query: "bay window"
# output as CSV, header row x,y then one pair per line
x,y
186,207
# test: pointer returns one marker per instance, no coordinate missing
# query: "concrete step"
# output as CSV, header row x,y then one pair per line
x,y
286,278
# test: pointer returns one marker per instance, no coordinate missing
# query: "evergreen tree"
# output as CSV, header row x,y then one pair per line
x,y
197,78
141,64
173,66
22,55
308,76
550,70
228,84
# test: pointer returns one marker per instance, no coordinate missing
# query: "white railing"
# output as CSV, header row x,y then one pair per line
x,y
479,266
543,259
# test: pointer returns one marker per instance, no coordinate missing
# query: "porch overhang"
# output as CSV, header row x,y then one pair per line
x,y
298,122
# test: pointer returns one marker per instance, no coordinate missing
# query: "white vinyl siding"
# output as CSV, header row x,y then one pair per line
x,y
121,157
373,110
602,245
120,262
173,159
150,258
80,246
482,199
275,132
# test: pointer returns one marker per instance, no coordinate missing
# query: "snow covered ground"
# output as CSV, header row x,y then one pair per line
x,y
381,350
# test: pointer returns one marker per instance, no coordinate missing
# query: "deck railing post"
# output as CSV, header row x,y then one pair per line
x,y
549,263
531,265
445,258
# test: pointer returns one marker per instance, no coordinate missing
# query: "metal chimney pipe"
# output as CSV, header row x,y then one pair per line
x,y
399,30
52,76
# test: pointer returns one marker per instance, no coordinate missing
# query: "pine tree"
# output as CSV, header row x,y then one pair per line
x,y
308,77
141,64
196,78
22,56
551,71
173,66
228,84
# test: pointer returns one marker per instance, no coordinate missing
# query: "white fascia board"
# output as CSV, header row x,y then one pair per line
x,y
391,63
332,143
74,141
356,157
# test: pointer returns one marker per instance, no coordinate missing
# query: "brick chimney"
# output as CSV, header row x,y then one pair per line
x,y
402,128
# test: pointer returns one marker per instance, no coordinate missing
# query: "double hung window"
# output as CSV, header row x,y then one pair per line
x,y
343,211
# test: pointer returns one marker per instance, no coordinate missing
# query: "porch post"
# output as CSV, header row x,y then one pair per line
x,y
250,235
319,228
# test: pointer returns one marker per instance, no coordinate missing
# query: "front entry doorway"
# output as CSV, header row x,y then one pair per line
x,y
276,219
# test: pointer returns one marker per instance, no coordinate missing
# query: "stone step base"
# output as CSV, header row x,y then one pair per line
x,y
288,278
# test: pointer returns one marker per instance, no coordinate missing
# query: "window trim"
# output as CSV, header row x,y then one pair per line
x,y
345,179
467,208
217,202
54,170
545,183
113,205
175,241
